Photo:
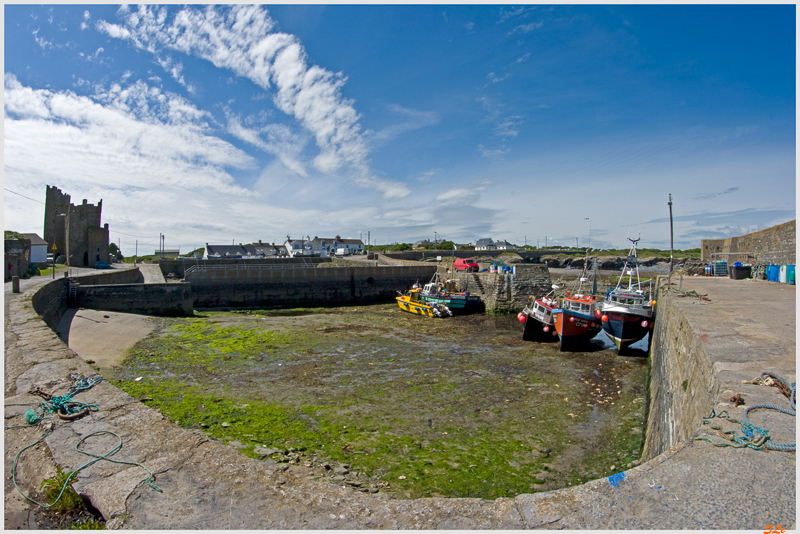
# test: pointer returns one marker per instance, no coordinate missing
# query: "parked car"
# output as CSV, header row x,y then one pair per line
x,y
101,265
466,264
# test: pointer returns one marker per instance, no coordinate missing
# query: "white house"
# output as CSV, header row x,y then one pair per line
x,y
504,245
485,244
322,246
38,248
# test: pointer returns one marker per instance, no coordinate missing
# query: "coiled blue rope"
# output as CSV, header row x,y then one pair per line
x,y
754,436
65,404
748,428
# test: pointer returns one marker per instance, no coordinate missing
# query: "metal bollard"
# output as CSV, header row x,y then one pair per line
x,y
15,284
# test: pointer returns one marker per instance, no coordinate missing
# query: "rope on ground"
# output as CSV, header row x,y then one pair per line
x,y
753,436
65,405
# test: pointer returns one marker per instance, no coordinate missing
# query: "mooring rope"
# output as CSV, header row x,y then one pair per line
x,y
754,436
69,410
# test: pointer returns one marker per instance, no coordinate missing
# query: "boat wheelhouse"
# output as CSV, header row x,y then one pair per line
x,y
575,320
413,303
627,313
537,318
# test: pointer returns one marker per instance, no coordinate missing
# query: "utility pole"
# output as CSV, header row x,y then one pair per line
x,y
671,255
590,231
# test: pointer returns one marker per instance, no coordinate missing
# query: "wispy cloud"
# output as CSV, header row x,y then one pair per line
x,y
41,41
492,152
526,28
241,39
514,12
493,78
712,195
280,141
414,120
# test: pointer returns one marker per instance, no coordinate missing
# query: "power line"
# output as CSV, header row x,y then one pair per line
x,y
23,196
130,235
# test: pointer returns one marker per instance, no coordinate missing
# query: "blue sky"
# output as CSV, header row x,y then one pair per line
x,y
228,124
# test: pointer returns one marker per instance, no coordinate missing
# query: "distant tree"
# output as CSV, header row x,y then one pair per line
x,y
115,251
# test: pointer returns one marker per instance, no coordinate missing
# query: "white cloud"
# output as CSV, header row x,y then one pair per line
x,y
414,120
239,39
493,78
492,152
459,195
526,28
41,41
281,142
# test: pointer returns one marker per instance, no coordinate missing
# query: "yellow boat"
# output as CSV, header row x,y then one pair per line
x,y
411,302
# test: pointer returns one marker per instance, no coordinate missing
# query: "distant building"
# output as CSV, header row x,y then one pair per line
x,y
504,245
74,231
38,248
485,244
17,253
323,246
422,243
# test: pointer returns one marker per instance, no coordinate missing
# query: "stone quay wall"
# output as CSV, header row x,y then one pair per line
x,y
52,300
506,292
178,267
157,299
302,286
683,385
776,245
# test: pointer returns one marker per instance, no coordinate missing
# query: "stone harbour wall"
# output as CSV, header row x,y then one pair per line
x,y
776,245
178,267
506,292
158,299
302,286
683,386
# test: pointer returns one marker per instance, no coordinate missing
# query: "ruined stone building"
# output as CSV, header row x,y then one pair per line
x,y
74,231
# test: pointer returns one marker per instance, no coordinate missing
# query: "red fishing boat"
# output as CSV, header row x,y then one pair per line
x,y
575,319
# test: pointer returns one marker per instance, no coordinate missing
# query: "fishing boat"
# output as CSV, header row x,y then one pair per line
x,y
537,318
412,302
575,318
446,293
627,313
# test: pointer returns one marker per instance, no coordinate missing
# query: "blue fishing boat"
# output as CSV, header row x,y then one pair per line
x,y
628,311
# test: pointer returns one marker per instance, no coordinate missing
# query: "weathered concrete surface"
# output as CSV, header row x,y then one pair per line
x,y
206,485
103,336
152,273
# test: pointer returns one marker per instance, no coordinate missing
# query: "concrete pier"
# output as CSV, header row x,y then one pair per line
x,y
745,327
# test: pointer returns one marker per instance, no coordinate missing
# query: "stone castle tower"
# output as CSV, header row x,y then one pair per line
x,y
74,231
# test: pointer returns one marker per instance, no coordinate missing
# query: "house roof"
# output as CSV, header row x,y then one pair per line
x,y
223,250
503,242
485,242
35,239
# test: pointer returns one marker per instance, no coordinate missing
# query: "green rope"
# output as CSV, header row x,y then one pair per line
x,y
66,404
753,436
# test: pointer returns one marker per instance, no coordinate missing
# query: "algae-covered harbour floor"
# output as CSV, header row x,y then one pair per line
x,y
388,401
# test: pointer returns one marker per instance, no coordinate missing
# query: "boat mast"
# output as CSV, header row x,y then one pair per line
x,y
631,254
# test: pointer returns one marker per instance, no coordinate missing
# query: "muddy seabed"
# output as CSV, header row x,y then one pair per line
x,y
390,402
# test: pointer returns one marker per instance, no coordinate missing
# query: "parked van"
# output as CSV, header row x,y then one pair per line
x,y
466,264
